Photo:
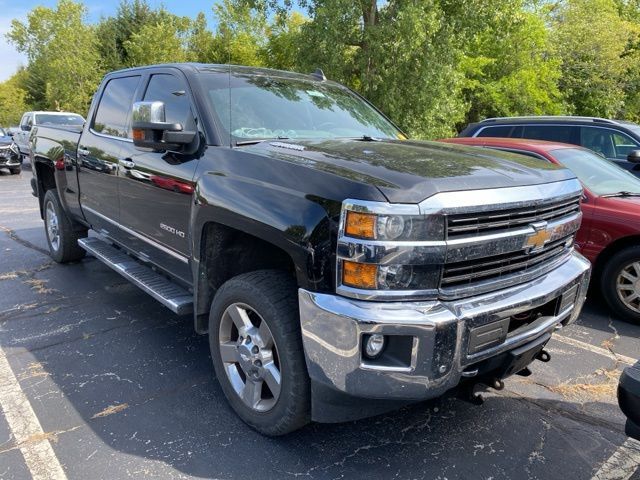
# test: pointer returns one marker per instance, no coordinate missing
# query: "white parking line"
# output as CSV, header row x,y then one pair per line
x,y
592,348
25,427
622,464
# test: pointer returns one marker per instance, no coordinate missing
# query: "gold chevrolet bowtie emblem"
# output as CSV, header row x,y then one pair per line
x,y
539,238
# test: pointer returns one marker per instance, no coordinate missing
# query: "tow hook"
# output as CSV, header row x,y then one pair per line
x,y
543,356
472,392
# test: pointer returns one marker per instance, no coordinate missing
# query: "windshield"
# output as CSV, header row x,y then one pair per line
x,y
257,107
51,119
599,175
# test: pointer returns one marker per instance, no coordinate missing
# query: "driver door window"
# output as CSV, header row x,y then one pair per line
x,y
172,91
608,143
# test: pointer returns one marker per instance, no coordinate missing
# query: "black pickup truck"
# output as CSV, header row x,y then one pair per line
x,y
339,269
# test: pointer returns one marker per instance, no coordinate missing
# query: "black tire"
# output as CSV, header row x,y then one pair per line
x,y
272,295
15,171
611,272
66,249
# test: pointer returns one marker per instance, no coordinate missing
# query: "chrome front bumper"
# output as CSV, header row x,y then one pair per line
x,y
10,161
333,327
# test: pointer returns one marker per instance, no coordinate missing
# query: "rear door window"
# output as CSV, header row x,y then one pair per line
x,y
506,131
112,116
552,133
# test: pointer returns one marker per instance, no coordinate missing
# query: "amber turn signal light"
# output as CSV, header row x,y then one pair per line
x,y
361,225
138,134
359,275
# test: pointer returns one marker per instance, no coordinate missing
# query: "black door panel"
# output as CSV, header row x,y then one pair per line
x,y
155,201
97,175
99,151
156,188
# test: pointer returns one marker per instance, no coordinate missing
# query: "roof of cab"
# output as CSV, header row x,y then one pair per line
x,y
223,68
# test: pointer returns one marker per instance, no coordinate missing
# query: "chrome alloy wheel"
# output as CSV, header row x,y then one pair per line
x,y
250,357
628,286
53,231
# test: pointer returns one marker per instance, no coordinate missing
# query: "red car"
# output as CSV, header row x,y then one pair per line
x,y
610,232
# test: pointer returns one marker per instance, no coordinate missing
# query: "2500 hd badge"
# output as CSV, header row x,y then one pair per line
x,y
172,230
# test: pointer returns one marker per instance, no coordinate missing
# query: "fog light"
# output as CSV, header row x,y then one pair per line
x,y
374,345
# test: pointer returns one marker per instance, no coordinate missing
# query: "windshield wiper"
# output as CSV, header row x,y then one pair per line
x,y
622,194
254,141
368,138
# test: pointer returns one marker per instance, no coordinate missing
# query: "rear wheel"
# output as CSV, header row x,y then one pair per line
x,y
256,347
620,284
62,237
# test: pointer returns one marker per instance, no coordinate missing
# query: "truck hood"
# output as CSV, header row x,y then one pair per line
x,y
410,171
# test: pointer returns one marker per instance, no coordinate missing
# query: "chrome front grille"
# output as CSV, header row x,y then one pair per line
x,y
460,274
487,240
497,221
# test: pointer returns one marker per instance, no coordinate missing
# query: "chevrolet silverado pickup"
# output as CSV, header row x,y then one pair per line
x,y
339,269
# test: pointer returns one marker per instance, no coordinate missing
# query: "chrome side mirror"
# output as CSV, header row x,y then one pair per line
x,y
151,130
634,156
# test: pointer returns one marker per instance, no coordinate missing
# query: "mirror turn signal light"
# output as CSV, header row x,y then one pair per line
x,y
138,134
361,225
360,275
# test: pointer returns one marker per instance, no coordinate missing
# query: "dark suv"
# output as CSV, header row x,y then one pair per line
x,y
616,140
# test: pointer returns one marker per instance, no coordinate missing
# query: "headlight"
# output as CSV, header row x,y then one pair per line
x,y
14,148
389,251
393,227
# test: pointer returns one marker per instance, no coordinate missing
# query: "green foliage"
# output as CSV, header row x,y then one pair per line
x,y
524,82
163,41
430,65
241,33
13,100
283,48
594,67
64,64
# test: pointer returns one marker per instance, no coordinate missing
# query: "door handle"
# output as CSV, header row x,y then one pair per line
x,y
128,164
83,152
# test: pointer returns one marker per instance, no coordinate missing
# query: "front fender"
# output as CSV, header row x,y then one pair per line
x,y
301,225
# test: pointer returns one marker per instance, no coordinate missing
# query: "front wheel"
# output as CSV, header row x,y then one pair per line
x,y
620,284
15,171
256,347
61,235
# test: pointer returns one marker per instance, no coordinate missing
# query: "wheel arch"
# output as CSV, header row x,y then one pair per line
x,y
45,180
226,252
610,250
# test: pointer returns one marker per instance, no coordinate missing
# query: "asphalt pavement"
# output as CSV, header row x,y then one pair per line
x,y
101,381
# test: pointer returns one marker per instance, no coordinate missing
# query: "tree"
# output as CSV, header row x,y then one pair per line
x,y
284,40
404,55
510,69
594,68
12,100
200,44
241,33
64,64
113,32
164,41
